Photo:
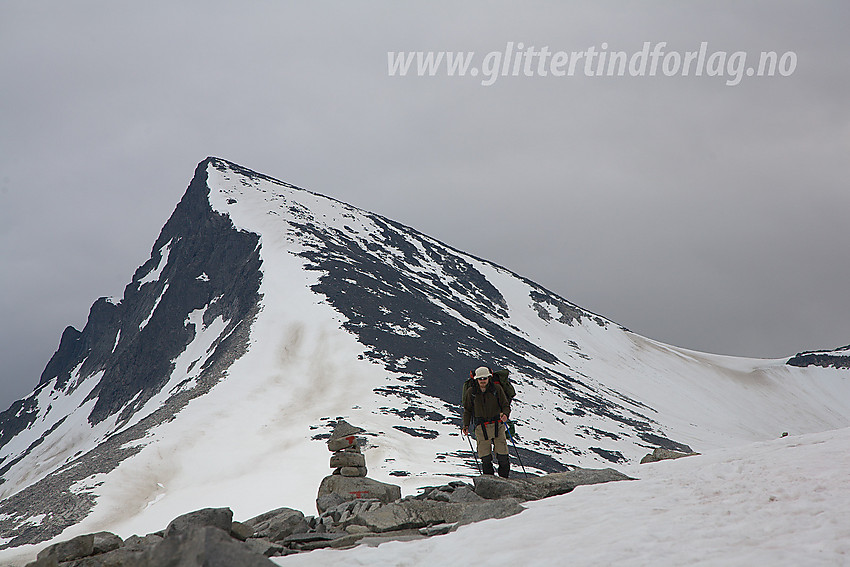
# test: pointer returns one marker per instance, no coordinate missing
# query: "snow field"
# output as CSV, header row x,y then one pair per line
x,y
782,502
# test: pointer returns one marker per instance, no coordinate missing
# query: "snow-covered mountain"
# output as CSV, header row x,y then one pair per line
x,y
266,312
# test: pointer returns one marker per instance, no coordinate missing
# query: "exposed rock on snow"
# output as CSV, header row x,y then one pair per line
x,y
535,488
660,454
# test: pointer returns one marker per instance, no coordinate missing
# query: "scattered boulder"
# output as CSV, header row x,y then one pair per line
x,y
76,548
409,514
204,546
221,518
104,542
418,513
535,488
452,492
560,483
353,488
660,454
494,487
278,524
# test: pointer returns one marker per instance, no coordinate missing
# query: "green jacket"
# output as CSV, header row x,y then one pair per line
x,y
485,406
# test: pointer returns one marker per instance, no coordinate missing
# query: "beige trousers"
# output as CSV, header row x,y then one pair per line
x,y
485,445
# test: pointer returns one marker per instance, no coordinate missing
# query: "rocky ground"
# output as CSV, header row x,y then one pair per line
x,y
352,510
211,538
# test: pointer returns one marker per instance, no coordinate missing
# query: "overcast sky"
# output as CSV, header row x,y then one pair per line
x,y
694,212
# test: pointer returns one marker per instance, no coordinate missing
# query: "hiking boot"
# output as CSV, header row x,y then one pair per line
x,y
487,464
504,465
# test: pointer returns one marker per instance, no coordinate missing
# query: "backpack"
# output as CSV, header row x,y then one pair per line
x,y
500,377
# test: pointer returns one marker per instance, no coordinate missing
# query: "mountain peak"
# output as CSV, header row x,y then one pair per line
x,y
266,313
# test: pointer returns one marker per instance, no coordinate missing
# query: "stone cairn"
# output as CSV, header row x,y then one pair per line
x,y
346,460
349,481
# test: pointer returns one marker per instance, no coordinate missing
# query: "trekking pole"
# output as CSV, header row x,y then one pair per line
x,y
511,437
474,454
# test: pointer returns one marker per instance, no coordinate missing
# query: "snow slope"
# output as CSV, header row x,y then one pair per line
x,y
781,502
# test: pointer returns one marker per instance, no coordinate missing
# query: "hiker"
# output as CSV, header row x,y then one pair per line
x,y
486,406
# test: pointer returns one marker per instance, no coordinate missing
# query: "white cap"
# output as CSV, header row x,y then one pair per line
x,y
482,372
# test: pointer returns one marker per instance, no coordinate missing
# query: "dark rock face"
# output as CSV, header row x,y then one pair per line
x,y
838,358
199,260
390,283
206,259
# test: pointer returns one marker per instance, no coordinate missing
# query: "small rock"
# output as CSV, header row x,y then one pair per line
x,y
356,529
439,529
344,429
341,443
348,459
353,471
